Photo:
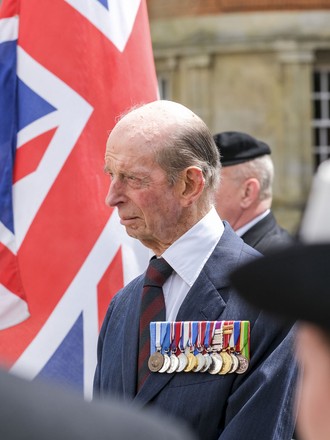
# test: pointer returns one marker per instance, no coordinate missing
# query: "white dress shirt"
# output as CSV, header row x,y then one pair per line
x,y
187,256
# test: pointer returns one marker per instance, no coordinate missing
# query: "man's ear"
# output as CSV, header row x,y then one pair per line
x,y
251,190
193,184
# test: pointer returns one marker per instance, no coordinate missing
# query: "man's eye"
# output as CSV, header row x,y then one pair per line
x,y
134,182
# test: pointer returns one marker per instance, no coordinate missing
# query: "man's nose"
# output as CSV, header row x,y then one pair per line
x,y
115,193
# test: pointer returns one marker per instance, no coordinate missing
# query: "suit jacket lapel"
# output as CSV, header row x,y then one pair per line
x,y
203,302
131,340
254,234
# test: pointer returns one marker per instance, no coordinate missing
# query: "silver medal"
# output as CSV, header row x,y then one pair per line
x,y
216,364
200,363
166,365
174,363
183,362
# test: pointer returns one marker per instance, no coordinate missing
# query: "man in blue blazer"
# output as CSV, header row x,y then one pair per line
x,y
164,169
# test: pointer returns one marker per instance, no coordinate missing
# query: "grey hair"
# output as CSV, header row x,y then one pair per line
x,y
261,168
191,145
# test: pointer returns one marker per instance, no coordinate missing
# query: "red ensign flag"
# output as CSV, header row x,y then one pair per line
x,y
68,69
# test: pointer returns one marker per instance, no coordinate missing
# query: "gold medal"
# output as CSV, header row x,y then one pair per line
x,y
200,363
155,361
192,362
226,362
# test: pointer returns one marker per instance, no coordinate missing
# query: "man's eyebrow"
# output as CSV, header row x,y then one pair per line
x,y
106,169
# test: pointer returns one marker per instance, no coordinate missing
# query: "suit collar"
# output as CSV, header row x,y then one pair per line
x,y
252,236
243,229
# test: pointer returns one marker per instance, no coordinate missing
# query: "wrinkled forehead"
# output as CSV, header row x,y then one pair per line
x,y
133,141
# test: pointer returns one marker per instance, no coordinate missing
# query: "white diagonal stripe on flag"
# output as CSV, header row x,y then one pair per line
x,y
116,23
38,127
7,238
8,29
13,309
29,192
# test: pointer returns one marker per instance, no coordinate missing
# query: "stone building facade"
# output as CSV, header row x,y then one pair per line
x,y
259,66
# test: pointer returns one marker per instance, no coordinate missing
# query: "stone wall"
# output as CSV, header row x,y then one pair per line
x,y
250,72
174,9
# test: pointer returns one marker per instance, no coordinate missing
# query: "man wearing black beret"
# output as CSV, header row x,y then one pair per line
x,y
244,197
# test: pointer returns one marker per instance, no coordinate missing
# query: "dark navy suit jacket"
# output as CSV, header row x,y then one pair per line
x,y
267,235
257,405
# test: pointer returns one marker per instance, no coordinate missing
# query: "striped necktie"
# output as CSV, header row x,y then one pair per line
x,y
152,309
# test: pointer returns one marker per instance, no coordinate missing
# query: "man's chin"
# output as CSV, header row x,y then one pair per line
x,y
138,235
132,231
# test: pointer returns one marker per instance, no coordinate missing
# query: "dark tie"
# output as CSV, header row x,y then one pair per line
x,y
152,309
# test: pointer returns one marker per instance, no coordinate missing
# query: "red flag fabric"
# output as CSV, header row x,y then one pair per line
x,y
68,69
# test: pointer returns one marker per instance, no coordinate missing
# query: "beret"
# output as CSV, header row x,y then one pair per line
x,y
292,283
236,147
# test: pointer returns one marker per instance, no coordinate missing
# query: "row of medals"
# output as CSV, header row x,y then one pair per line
x,y
214,361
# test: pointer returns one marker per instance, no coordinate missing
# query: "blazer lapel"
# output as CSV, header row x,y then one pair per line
x,y
263,227
203,302
131,340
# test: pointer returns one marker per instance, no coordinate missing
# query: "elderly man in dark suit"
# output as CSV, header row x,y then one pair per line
x,y
244,197
164,168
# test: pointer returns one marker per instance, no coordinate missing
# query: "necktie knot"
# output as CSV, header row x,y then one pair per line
x,y
157,273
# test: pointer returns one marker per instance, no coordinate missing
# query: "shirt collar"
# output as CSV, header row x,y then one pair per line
x,y
189,253
245,228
